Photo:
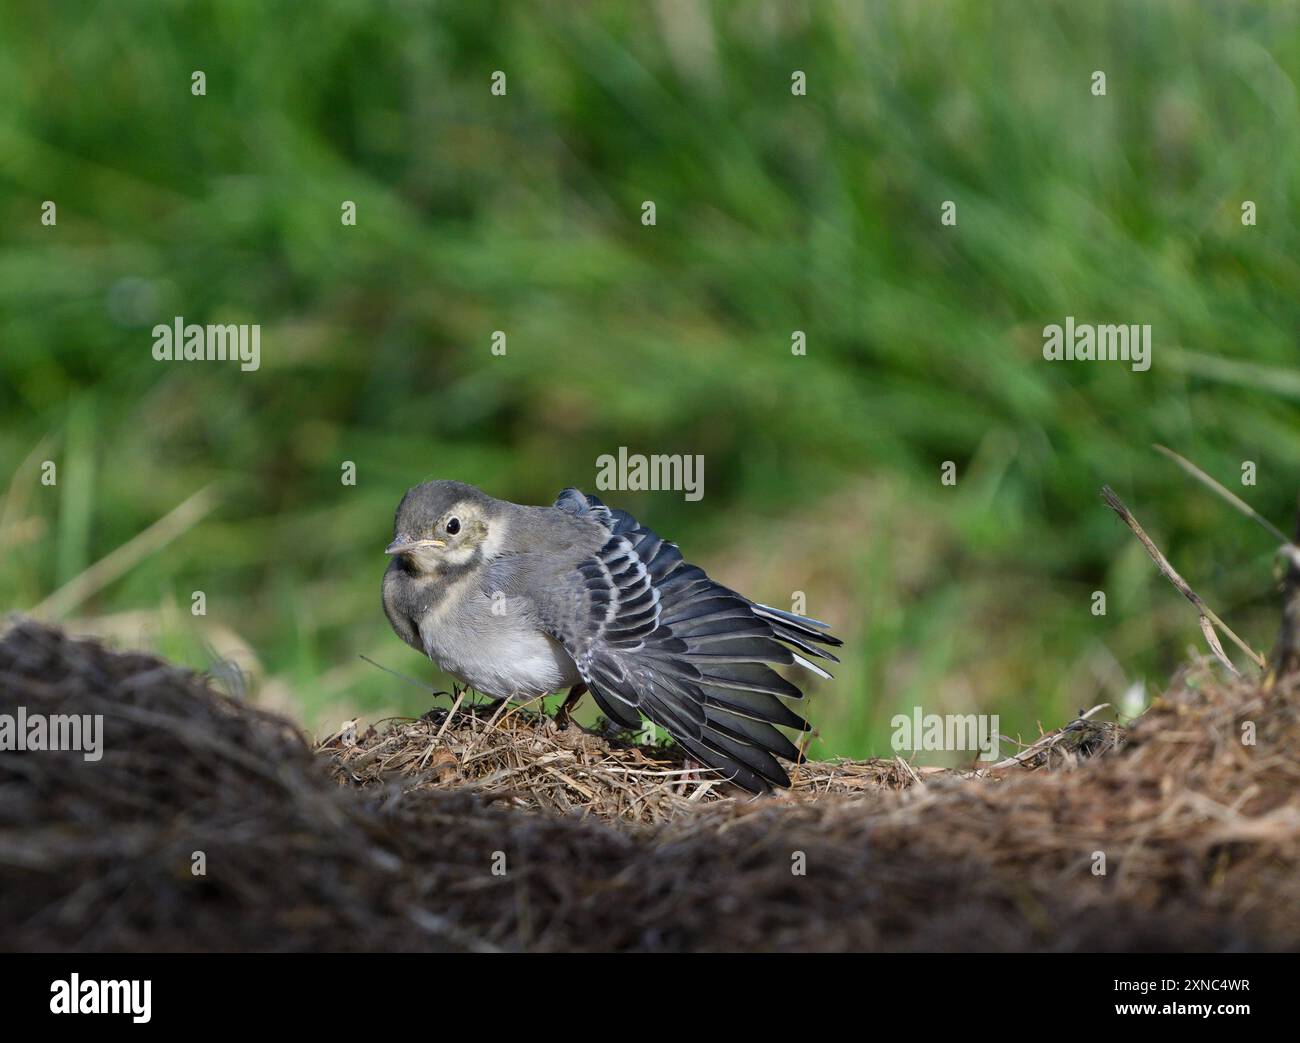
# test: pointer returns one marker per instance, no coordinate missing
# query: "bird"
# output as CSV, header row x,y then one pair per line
x,y
517,602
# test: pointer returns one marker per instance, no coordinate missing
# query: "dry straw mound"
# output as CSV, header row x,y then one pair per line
x,y
510,754
389,840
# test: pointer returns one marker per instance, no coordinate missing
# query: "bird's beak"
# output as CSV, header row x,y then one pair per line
x,y
404,545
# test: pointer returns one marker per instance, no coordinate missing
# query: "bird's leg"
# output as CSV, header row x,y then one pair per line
x,y
494,704
691,772
564,715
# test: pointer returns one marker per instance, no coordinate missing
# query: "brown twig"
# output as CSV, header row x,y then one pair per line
x,y
123,559
1171,574
1232,498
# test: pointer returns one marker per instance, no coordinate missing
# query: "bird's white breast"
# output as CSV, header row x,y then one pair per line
x,y
498,655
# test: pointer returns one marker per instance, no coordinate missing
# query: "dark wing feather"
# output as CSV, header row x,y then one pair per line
x,y
652,634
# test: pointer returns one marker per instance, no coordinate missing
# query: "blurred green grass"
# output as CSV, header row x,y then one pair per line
x,y
775,213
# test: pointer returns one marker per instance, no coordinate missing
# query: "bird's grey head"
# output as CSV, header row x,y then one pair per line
x,y
444,524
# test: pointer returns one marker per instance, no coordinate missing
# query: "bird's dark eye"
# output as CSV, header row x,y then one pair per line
x,y
452,526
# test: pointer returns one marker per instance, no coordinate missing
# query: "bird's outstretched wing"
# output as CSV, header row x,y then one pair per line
x,y
652,634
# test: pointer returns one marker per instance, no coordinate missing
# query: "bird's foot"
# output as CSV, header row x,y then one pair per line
x,y
432,711
564,715
492,706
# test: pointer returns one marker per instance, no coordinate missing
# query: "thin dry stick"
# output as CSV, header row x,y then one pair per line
x,y
117,563
909,769
1227,494
409,680
18,491
1212,639
1171,574
460,696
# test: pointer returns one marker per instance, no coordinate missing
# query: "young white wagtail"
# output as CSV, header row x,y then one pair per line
x,y
522,601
